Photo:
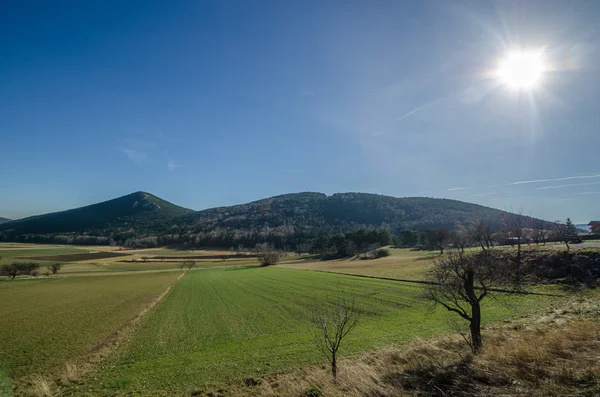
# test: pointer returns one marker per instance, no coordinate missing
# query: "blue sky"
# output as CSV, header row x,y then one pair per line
x,y
216,103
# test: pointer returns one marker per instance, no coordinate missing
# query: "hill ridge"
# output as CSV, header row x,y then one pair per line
x,y
285,220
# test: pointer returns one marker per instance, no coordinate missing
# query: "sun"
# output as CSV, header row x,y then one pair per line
x,y
521,69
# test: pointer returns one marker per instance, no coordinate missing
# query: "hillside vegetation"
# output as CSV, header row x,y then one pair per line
x,y
4,220
143,220
122,217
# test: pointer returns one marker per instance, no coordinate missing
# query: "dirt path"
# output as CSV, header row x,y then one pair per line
x,y
84,367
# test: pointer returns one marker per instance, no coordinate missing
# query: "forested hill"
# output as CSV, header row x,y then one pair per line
x,y
284,220
4,220
340,212
139,211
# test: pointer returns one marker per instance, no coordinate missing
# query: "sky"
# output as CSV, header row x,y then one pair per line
x,y
208,103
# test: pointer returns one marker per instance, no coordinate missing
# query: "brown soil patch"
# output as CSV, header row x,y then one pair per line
x,y
75,257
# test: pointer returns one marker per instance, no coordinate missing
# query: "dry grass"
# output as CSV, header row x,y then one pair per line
x,y
40,387
556,354
402,264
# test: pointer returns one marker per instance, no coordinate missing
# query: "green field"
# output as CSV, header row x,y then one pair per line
x,y
217,326
46,323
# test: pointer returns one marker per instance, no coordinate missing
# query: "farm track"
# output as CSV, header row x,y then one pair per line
x,y
98,353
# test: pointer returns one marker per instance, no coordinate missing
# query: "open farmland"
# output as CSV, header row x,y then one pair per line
x,y
46,323
75,257
217,326
402,264
84,260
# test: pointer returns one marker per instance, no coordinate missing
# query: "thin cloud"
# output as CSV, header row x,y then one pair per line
x,y
136,156
578,194
554,179
413,111
572,185
453,189
482,194
173,166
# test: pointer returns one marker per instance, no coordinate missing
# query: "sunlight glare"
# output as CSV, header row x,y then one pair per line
x,y
521,69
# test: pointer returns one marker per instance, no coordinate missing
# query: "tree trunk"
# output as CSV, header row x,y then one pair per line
x,y
567,244
475,327
519,260
334,366
441,250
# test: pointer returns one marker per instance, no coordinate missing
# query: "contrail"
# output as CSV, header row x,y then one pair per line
x,y
572,185
555,179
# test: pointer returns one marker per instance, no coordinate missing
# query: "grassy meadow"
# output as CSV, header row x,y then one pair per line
x,y
45,323
223,322
223,325
402,264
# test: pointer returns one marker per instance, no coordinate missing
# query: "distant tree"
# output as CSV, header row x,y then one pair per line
x,y
11,271
539,232
267,254
480,233
54,268
321,245
30,268
144,258
240,249
514,228
224,257
460,238
303,248
16,268
565,232
379,253
409,238
189,264
460,281
332,322
439,238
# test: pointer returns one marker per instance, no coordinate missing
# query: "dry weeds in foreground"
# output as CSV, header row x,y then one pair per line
x,y
556,354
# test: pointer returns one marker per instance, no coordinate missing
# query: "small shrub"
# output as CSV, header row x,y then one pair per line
x,y
54,268
252,382
269,258
381,253
313,391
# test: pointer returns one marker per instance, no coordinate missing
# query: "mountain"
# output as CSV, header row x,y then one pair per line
x,y
4,220
341,211
141,219
138,211
296,218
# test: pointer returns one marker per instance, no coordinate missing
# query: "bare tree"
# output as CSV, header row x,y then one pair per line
x,y
16,268
480,232
439,238
539,232
54,268
187,263
267,254
460,281
514,227
332,323
460,238
565,232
